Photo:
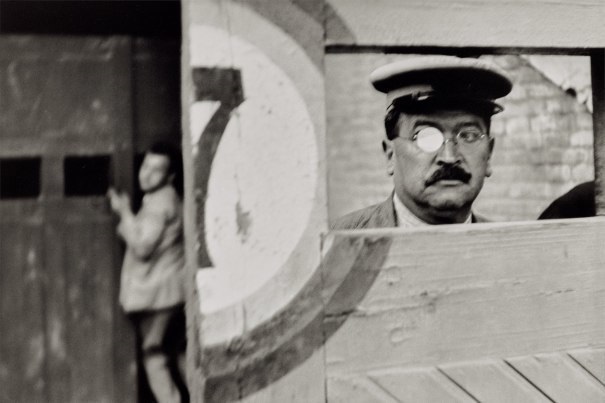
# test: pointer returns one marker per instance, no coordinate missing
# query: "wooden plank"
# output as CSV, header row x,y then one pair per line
x,y
89,293
462,23
560,378
51,177
23,349
458,293
297,386
38,100
356,389
597,67
257,345
421,385
124,352
20,146
593,361
194,372
494,381
156,88
59,371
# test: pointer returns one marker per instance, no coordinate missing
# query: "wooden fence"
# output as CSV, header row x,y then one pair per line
x,y
488,312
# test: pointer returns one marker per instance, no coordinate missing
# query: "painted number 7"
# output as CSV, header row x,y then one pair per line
x,y
216,84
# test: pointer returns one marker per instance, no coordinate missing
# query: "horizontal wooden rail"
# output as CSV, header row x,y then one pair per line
x,y
462,23
474,312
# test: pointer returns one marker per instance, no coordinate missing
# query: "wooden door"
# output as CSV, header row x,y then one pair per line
x,y
65,135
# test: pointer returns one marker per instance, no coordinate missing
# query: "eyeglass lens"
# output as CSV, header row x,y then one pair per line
x,y
430,139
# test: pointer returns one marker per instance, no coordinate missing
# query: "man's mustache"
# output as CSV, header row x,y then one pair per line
x,y
449,172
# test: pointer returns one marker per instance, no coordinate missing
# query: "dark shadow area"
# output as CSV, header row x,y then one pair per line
x,y
161,18
19,178
86,176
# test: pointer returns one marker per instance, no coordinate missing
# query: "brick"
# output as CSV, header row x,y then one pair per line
x,y
513,173
574,156
507,62
497,126
581,138
503,156
584,121
557,105
528,141
542,90
516,125
514,108
554,139
518,93
558,173
529,190
494,189
582,172
525,75
551,155
543,123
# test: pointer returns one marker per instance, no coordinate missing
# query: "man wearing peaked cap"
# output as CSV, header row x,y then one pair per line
x,y
438,144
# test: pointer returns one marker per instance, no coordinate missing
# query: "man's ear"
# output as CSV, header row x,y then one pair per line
x,y
387,148
488,170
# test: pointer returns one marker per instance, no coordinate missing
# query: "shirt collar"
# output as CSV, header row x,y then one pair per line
x,y
406,219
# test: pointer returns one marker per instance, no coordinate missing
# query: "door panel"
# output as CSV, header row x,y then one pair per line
x,y
64,338
22,334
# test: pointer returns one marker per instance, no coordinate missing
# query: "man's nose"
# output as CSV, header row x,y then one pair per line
x,y
448,153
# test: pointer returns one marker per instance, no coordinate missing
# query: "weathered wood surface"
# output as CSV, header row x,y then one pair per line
x,y
560,378
22,312
450,313
492,311
597,67
63,335
264,343
467,23
251,76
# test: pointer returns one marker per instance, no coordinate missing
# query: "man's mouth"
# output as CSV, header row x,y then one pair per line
x,y
450,175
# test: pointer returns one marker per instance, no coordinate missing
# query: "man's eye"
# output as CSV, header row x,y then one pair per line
x,y
470,135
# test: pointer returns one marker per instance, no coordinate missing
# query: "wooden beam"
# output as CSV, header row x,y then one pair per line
x,y
462,23
597,66
457,293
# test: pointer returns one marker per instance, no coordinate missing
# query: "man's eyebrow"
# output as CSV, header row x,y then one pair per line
x,y
471,124
424,122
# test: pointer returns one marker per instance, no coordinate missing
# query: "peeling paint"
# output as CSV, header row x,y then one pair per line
x,y
243,220
35,356
13,81
264,171
57,345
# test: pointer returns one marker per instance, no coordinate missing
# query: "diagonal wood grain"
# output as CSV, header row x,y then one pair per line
x,y
352,389
421,385
560,378
593,360
493,381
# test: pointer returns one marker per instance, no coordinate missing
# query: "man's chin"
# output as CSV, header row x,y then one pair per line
x,y
450,201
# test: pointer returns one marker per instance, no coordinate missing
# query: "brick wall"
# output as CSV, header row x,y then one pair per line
x,y
543,140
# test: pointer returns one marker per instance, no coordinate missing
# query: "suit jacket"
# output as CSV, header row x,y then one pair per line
x,y
381,215
578,202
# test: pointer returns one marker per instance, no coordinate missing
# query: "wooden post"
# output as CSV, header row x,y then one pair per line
x,y
597,64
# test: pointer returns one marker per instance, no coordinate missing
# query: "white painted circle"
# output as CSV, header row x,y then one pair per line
x,y
262,183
